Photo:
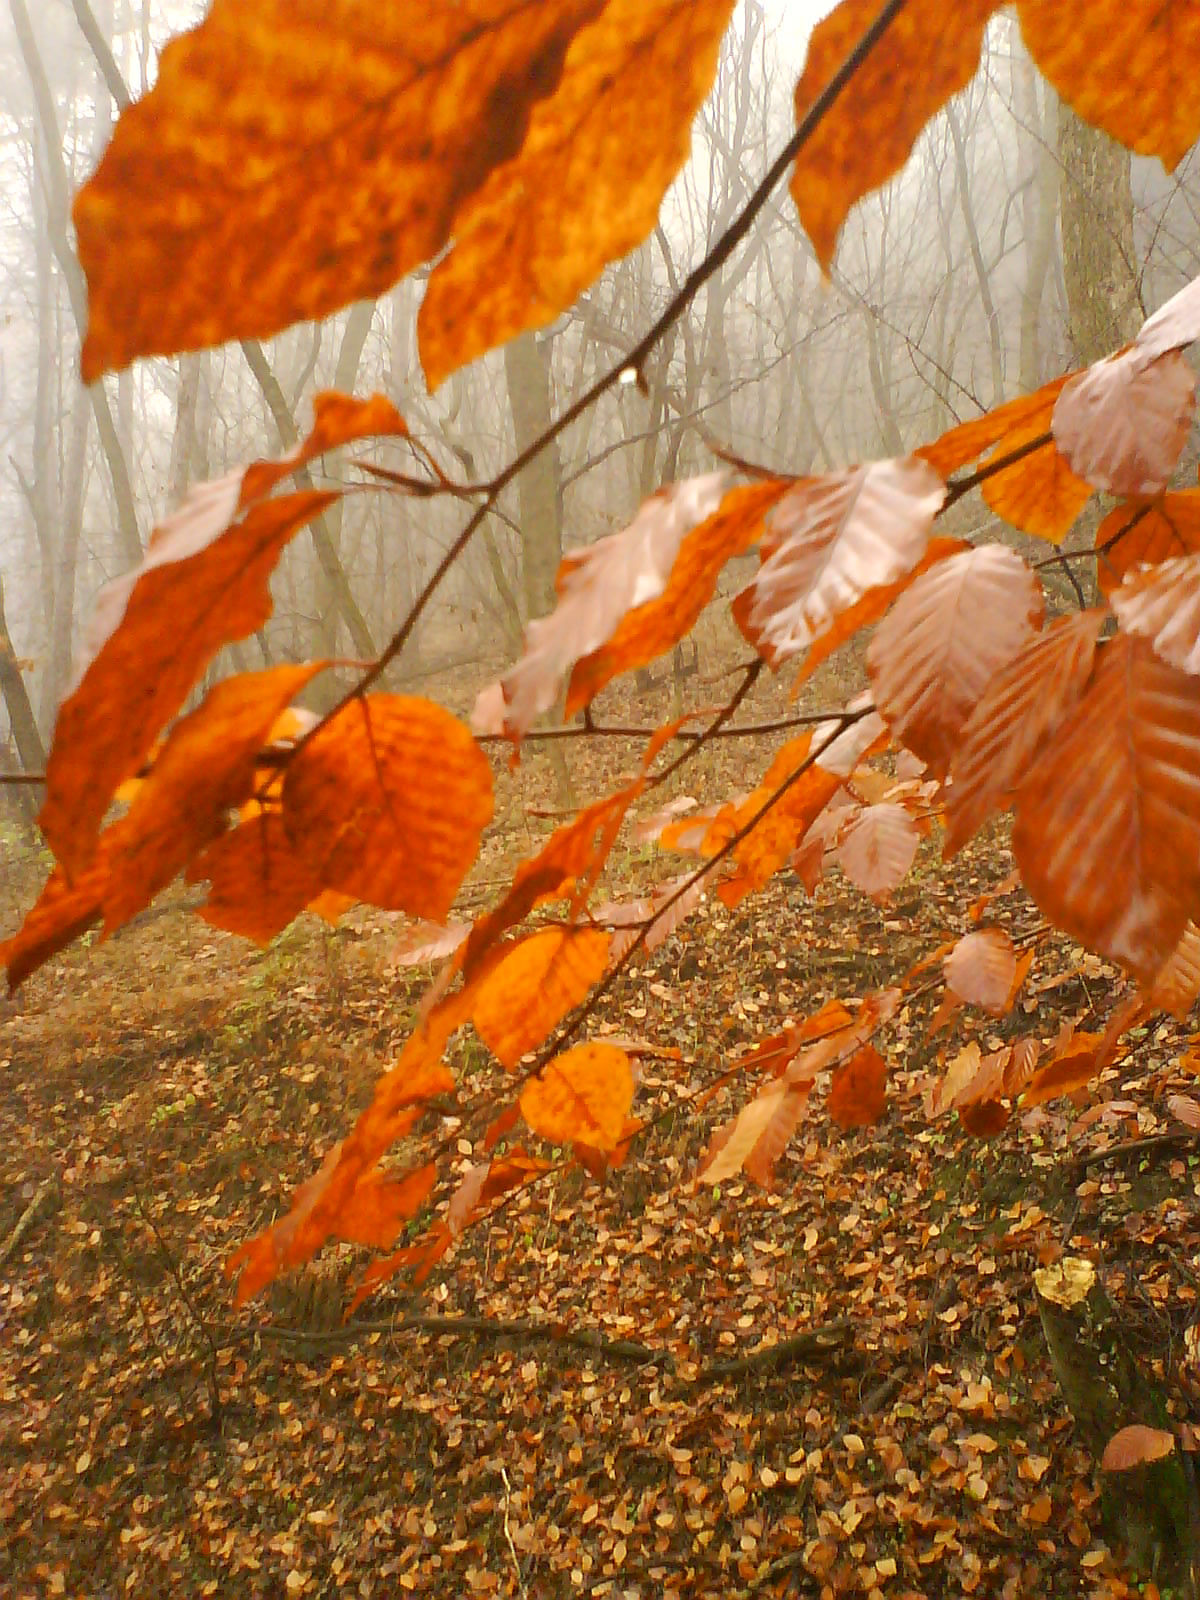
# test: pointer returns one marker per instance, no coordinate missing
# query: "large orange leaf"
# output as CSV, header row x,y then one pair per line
x,y
654,626
1020,708
533,986
203,583
1037,493
830,540
969,440
1107,832
1125,65
294,157
1146,532
928,53
1162,604
257,882
205,769
585,187
803,794
1123,423
582,1095
387,803
934,653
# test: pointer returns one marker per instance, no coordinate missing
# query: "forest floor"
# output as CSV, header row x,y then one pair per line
x,y
585,1430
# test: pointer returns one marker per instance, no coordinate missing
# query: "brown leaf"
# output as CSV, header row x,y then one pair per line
x,y
878,848
858,1093
1162,604
584,188
1177,986
769,1120
827,542
1072,1065
1107,835
1146,531
364,803
1123,423
1124,65
583,1094
533,986
928,53
935,652
1021,707
1134,1446
205,769
1183,1107
981,969
221,212
257,882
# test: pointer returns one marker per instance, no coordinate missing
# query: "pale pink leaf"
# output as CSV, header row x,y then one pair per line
x,y
597,585
466,1197
1135,1446
1183,1107
1017,712
771,1117
838,748
1162,604
830,540
1123,423
1174,324
1177,986
982,968
429,941
939,646
649,828
878,847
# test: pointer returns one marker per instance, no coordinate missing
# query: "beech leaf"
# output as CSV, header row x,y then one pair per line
x,y
1123,423
1136,1445
584,1094
1162,604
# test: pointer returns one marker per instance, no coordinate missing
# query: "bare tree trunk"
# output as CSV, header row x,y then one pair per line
x,y
58,670
1099,268
16,697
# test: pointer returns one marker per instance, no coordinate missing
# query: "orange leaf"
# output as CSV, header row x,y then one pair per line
x,y
358,174
533,986
1135,1446
64,910
757,1136
257,882
1124,65
1141,531
364,803
935,652
204,770
1037,493
928,52
1021,707
653,626
582,1095
1073,1067
1162,604
1029,413
1107,835
208,576
585,187
1177,986
857,1094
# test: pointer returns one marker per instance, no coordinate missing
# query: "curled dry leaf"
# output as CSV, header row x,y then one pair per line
x,y
878,847
981,969
1021,707
582,1095
1135,1446
359,805
1107,833
1162,604
1124,65
1146,532
828,542
1123,423
596,586
935,652
1174,324
585,186
927,54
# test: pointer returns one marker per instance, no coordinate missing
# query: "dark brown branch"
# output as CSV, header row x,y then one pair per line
x,y
830,1339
